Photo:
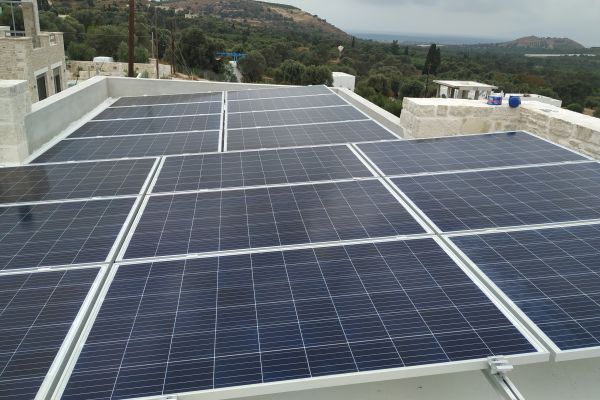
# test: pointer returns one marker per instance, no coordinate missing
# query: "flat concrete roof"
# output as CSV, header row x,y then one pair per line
x,y
465,84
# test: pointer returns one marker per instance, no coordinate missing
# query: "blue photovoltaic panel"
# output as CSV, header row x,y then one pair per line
x,y
306,135
54,234
131,146
146,126
36,313
285,103
510,197
265,217
293,117
255,168
277,92
464,152
168,99
73,180
194,325
552,275
161,110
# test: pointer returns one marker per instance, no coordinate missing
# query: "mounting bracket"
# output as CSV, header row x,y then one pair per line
x,y
497,372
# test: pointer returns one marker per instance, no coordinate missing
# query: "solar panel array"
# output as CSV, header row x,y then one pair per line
x,y
266,244
552,275
36,313
190,325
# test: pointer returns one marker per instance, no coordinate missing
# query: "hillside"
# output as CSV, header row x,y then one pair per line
x,y
255,13
548,43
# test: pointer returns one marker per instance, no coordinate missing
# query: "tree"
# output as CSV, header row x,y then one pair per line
x,y
80,51
597,113
197,51
395,47
381,84
252,66
290,72
106,39
122,52
140,54
575,107
317,75
412,88
433,60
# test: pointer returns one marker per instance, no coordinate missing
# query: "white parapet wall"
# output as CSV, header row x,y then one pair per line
x,y
425,118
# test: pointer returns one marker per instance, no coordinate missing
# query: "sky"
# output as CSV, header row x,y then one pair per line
x,y
507,19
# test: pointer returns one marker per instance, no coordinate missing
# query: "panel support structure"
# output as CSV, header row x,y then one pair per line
x,y
497,374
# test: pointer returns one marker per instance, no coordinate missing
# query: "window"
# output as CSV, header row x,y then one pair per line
x,y
57,82
41,87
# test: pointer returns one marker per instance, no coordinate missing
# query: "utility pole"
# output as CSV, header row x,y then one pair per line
x,y
157,50
172,53
131,72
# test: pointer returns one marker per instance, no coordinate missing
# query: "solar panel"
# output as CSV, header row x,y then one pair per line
x,y
161,110
257,168
294,117
306,135
285,103
201,324
131,146
552,275
277,92
464,152
36,313
32,183
510,197
168,99
55,234
145,126
265,217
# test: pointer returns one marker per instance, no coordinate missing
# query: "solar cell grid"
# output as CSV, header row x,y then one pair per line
x,y
168,99
277,92
265,217
161,110
195,325
148,126
254,168
73,180
36,313
131,146
510,197
294,117
285,103
552,275
465,152
306,135
53,234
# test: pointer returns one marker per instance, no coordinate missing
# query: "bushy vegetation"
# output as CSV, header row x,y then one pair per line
x,y
288,52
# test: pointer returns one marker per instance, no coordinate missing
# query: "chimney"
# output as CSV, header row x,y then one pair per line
x,y
31,18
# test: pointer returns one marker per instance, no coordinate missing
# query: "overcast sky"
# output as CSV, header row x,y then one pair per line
x,y
576,19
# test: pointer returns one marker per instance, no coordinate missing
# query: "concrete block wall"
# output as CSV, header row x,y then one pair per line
x,y
83,70
425,118
15,103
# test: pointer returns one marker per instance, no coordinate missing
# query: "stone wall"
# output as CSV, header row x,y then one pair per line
x,y
83,70
424,118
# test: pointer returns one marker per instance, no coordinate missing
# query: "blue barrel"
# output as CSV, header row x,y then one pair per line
x,y
495,100
514,101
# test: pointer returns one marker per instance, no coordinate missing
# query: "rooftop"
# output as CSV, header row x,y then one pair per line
x,y
465,84
208,240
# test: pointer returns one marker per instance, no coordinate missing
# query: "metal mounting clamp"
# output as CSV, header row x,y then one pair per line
x,y
497,372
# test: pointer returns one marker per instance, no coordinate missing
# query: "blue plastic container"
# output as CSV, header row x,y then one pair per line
x,y
514,101
495,100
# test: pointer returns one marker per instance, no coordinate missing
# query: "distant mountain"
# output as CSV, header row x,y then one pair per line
x,y
256,13
548,43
